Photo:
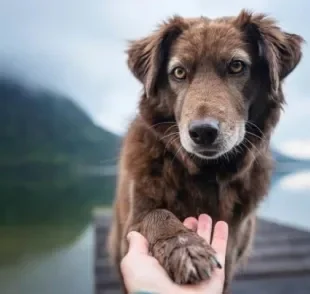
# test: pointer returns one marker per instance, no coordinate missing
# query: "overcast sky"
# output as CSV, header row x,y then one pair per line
x,y
77,48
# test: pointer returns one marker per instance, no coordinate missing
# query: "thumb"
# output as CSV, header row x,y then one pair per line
x,y
137,243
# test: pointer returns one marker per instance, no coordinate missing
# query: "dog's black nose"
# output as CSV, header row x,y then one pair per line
x,y
204,132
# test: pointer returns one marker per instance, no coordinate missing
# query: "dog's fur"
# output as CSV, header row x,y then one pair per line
x,y
163,176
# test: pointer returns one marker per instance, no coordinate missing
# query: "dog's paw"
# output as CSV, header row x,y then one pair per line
x,y
187,258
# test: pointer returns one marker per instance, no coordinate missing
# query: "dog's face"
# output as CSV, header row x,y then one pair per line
x,y
212,75
208,69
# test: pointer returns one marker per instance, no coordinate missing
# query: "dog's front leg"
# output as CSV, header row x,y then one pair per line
x,y
187,258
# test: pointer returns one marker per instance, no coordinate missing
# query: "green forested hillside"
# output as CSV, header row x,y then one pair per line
x,y
44,127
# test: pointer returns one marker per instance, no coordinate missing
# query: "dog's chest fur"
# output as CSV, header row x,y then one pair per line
x,y
188,195
193,196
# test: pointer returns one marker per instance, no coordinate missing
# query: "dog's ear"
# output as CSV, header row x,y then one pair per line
x,y
281,51
147,57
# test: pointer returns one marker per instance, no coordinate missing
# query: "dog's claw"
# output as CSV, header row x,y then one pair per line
x,y
216,262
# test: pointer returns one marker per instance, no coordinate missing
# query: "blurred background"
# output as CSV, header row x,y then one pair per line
x,y
66,98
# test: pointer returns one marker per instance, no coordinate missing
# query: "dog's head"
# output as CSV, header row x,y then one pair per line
x,y
213,77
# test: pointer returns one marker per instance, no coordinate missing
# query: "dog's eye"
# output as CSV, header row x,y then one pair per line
x,y
179,73
236,66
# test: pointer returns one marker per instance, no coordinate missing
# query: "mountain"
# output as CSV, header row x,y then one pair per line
x,y
287,165
39,126
279,157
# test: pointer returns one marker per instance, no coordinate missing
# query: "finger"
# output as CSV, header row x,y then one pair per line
x,y
191,223
137,243
219,242
205,227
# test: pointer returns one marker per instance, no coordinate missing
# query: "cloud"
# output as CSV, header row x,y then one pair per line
x,y
77,48
296,148
299,181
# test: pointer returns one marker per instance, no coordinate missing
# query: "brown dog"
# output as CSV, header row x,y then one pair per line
x,y
200,144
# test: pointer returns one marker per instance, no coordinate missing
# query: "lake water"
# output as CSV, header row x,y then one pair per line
x,y
47,239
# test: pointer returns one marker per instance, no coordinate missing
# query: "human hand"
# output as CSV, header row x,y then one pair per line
x,y
143,272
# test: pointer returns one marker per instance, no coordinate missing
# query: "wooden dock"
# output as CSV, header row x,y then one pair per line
x,y
280,263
